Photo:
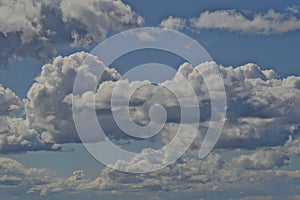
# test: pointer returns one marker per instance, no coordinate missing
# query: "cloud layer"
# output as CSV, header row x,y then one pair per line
x,y
262,116
212,174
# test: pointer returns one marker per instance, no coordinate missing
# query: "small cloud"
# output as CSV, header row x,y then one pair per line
x,y
145,36
293,9
174,23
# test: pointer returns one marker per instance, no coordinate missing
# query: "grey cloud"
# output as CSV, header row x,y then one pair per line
x,y
36,28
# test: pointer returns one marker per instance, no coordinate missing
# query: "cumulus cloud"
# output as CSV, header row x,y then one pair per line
x,y
16,136
262,115
262,109
56,185
36,28
212,174
269,22
48,105
14,174
260,106
262,159
9,101
174,23
15,133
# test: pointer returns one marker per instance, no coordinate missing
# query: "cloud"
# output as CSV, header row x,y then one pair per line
x,y
293,9
262,160
262,109
48,105
56,185
14,174
144,36
263,23
174,23
9,101
262,115
257,198
270,22
36,28
15,134
96,17
211,175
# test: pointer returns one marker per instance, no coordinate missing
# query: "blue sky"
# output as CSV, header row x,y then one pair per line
x,y
260,143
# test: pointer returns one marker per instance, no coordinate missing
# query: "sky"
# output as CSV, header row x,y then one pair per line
x,y
253,45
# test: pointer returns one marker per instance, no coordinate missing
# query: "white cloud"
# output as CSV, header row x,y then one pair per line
x,y
145,36
174,23
90,20
262,160
257,100
262,109
293,9
8,101
269,22
14,174
48,104
36,28
210,175
55,185
262,112
15,134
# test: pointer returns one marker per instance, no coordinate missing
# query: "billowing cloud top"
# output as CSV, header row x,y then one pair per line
x,y
262,109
